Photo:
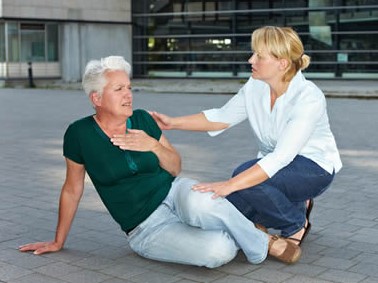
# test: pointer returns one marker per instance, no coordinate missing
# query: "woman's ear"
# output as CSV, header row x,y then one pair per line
x,y
95,98
284,64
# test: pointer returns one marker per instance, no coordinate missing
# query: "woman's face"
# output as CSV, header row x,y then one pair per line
x,y
264,66
117,97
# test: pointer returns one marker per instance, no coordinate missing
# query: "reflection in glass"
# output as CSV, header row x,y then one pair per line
x,y
189,37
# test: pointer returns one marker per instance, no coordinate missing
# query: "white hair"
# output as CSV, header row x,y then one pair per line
x,y
94,74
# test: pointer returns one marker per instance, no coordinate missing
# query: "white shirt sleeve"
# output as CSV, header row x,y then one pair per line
x,y
300,126
232,113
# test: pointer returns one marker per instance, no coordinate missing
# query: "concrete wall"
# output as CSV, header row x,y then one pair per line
x,y
81,10
82,42
83,36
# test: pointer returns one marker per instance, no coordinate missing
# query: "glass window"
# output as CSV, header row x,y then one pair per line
x,y
2,42
52,42
214,36
32,42
13,42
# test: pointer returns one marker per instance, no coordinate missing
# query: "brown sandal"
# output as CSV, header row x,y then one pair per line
x,y
291,254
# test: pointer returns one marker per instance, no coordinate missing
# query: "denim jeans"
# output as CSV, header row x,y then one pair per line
x,y
280,202
190,227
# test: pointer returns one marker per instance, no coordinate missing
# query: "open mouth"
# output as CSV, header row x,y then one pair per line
x,y
127,104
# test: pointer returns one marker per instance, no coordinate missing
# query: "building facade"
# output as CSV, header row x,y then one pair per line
x,y
198,38
60,37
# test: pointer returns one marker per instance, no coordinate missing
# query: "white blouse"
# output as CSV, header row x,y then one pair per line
x,y
297,125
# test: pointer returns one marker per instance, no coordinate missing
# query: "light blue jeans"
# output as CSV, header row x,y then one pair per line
x,y
190,227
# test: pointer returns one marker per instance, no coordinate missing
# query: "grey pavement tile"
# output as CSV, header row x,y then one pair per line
x,y
112,252
95,263
124,271
238,268
85,276
236,279
367,257
367,235
343,229
36,277
67,255
363,247
304,269
9,272
342,276
136,260
25,260
167,268
116,280
305,279
369,269
332,242
370,280
201,274
336,263
154,277
343,253
57,269
267,275
80,244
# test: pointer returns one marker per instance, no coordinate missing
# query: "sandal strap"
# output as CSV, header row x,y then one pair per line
x,y
294,239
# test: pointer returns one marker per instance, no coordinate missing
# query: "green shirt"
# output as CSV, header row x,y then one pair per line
x,y
131,184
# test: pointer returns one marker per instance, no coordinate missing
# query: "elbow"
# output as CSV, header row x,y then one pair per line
x,y
177,170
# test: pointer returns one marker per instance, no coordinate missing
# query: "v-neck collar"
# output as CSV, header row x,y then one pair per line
x,y
102,133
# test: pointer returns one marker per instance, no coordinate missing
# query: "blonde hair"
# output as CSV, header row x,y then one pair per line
x,y
94,74
282,43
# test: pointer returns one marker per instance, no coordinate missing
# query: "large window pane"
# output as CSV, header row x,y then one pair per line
x,y
2,42
32,42
52,42
13,42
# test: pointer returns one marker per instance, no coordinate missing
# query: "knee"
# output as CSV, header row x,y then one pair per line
x,y
198,203
220,251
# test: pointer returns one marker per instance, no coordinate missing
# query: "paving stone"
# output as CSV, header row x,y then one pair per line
x,y
342,276
154,277
57,269
268,275
85,276
36,277
9,272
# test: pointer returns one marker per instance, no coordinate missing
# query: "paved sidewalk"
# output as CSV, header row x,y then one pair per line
x,y
367,89
342,246
331,88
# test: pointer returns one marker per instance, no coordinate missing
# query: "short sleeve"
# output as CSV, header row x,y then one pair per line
x,y
232,113
71,145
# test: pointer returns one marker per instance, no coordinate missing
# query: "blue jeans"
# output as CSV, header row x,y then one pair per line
x,y
280,202
190,227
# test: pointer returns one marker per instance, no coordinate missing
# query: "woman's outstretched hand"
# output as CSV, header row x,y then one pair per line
x,y
40,247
